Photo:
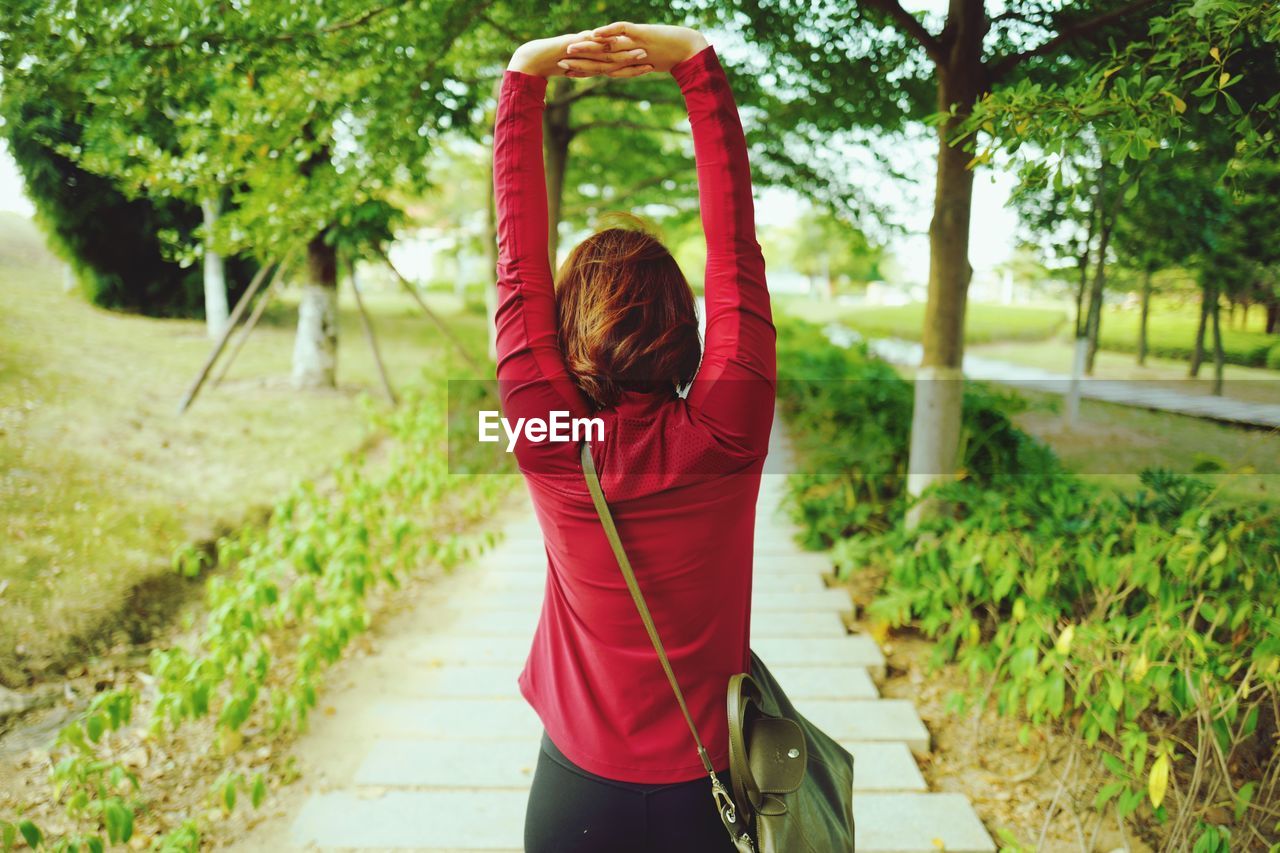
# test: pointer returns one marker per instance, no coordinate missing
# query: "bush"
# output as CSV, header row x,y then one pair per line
x,y
851,416
1273,358
1146,625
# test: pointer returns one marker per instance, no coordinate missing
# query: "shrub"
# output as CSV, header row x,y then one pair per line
x,y
852,417
1273,358
1146,625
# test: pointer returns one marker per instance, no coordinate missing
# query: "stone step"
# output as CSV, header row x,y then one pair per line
x,y
789,559
867,720
449,763
460,719
822,600
776,652
850,650
503,579
513,718
493,820
498,681
491,621
898,823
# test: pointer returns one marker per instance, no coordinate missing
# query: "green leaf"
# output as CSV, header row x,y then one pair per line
x,y
31,833
259,793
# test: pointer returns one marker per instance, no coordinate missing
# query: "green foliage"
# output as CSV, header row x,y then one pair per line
x,y
112,242
1145,624
1198,58
1273,358
853,414
982,323
1174,337
292,600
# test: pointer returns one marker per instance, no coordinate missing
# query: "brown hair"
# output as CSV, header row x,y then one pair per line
x,y
626,316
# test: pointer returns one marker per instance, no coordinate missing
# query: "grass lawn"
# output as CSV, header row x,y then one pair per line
x,y
1113,443
1243,383
101,479
983,323
1171,333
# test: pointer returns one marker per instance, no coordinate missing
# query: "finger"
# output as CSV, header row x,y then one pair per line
x,y
611,42
592,49
622,57
617,28
630,71
593,65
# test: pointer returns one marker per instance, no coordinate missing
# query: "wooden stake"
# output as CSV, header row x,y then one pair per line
x,y
222,339
435,318
368,333
259,307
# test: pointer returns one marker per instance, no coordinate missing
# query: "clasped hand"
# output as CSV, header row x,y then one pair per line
x,y
620,49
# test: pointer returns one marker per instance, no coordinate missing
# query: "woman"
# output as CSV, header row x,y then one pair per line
x,y
616,338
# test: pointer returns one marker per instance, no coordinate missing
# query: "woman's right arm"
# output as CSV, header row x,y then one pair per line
x,y
532,379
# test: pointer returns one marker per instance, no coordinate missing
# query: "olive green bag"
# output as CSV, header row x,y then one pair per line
x,y
792,785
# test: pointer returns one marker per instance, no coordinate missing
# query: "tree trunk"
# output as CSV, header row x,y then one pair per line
x,y
1273,316
1219,356
315,348
556,136
1197,351
1146,312
1096,296
939,387
1078,355
215,277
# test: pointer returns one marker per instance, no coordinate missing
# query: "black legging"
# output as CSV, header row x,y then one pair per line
x,y
573,811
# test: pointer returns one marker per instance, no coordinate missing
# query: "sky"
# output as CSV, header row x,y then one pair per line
x,y
994,224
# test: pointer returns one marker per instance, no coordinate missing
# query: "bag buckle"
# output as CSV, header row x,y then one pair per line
x,y
729,814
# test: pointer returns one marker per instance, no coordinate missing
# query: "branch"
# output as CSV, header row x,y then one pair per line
x,y
628,192
625,125
503,31
577,92
909,25
220,38
1069,32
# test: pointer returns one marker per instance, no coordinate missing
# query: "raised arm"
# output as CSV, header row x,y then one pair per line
x,y
532,379
735,387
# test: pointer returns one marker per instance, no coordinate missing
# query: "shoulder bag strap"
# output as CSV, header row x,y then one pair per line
x,y
606,519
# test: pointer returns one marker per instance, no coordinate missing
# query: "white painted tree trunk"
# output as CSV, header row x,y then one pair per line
x,y
216,311
1072,408
935,426
315,346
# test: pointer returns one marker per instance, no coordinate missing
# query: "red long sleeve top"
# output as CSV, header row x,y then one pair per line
x,y
681,474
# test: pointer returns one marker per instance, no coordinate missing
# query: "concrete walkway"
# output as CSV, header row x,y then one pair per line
x,y
1140,394
431,748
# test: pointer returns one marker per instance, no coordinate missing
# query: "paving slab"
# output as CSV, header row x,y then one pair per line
x,y
850,650
463,719
867,719
819,600
491,621
898,823
493,819
496,579
825,682
452,763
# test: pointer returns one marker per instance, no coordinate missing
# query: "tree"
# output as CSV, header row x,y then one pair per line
x,y
310,115
827,248
877,65
119,248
